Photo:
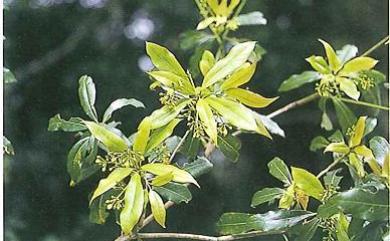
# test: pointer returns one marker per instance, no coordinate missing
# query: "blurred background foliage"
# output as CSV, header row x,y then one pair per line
x,y
50,43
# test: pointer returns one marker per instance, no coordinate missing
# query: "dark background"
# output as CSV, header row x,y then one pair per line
x,y
50,43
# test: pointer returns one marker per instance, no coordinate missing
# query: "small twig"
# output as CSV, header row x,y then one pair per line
x,y
293,105
333,164
362,103
178,146
197,237
373,48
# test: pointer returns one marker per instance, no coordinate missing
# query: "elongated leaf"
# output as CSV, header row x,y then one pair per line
x,y
363,204
358,64
339,147
234,223
166,114
234,113
331,179
307,182
198,167
74,124
207,117
250,98
120,103
87,95
370,125
173,81
266,195
111,140
159,135
179,175
134,204
241,76
207,62
345,116
252,18
271,125
97,210
174,192
158,209
318,63
8,76
142,136
279,169
342,228
307,230
236,57
318,143
346,53
161,180
297,80
191,39
190,146
358,133
230,146
380,148
333,60
349,87
110,181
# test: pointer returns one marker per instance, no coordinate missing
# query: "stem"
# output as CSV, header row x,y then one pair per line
x,y
196,236
362,103
373,48
333,164
236,13
293,105
178,146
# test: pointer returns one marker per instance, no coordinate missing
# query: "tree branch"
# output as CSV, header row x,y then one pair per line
x,y
197,237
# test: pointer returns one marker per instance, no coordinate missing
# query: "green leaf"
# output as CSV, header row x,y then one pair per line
x,y
81,160
349,87
179,175
252,18
198,167
166,114
257,54
120,103
339,147
326,123
318,63
279,169
236,57
331,179
197,56
266,195
234,223
134,204
207,117
173,81
157,206
250,98
164,60
380,148
342,228
346,53
191,39
74,124
97,210
161,180
358,133
190,146
174,192
318,143
207,62
142,137
7,146
333,60
87,96
358,202
234,113
8,76
358,64
230,146
111,140
370,125
271,125
159,135
372,231
307,182
345,116
297,80
116,176
241,76
308,230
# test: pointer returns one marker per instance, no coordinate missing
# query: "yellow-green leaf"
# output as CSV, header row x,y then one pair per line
x,y
161,180
288,198
334,62
357,164
223,7
179,175
166,114
307,182
207,118
234,113
157,206
112,141
359,64
142,136
358,133
339,147
159,135
364,152
110,181
236,57
241,76
134,204
250,98
261,129
207,62
348,87
173,81
205,23
319,64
